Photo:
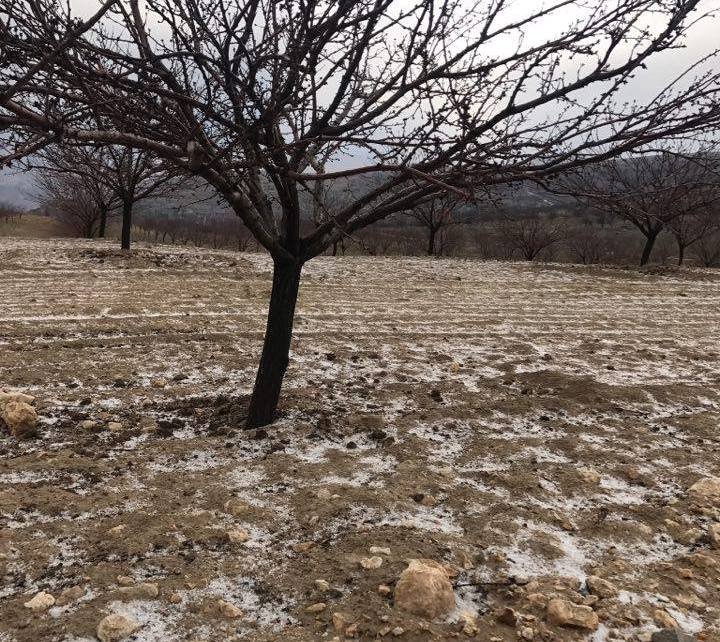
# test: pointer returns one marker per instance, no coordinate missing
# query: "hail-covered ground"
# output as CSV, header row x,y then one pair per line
x,y
527,426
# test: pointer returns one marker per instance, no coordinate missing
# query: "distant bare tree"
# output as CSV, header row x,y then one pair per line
x,y
653,191
435,216
113,175
691,227
586,243
530,236
77,202
707,249
440,97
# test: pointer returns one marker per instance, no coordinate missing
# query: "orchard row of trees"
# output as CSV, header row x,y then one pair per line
x,y
268,102
671,191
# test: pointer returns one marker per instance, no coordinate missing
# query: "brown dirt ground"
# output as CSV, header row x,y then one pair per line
x,y
489,387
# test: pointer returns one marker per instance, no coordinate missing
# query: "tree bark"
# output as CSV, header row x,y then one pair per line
x,y
681,253
126,225
647,250
431,242
276,347
103,223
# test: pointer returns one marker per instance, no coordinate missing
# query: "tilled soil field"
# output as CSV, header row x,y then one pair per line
x,y
544,432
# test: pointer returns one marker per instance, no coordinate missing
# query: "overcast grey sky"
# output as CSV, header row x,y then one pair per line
x,y
702,39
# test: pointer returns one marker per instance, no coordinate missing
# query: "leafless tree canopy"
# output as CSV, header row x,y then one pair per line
x,y
81,204
110,176
260,98
435,216
529,237
672,189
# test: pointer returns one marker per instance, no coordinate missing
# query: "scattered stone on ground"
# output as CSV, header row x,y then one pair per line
x,y
565,613
424,589
116,627
40,602
421,415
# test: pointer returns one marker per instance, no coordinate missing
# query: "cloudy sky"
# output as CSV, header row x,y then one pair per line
x,y
701,41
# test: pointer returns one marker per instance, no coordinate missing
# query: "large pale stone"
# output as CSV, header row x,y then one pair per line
x,y
20,418
425,590
41,602
706,491
600,587
565,613
116,627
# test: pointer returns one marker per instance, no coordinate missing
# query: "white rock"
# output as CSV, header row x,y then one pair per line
x,y
706,491
379,550
565,613
424,589
41,602
116,627
20,418
371,562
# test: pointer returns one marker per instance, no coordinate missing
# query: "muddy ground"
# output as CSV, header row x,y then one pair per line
x,y
526,425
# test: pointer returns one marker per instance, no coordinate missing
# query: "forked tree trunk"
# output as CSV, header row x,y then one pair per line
x,y
126,226
647,250
276,348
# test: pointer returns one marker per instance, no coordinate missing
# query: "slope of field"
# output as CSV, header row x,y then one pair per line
x,y
528,426
33,226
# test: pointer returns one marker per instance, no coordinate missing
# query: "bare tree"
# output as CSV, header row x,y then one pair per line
x,y
431,97
707,249
530,235
586,243
435,216
117,177
80,204
694,225
668,189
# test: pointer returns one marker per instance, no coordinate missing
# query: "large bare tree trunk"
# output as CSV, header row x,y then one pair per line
x,y
431,242
647,250
276,348
103,223
126,226
681,253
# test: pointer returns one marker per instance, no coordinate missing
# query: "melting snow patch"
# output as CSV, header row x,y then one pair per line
x,y
155,617
523,563
265,611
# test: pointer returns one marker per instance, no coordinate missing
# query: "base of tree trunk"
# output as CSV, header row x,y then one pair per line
x,y
276,347
126,226
103,224
647,250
